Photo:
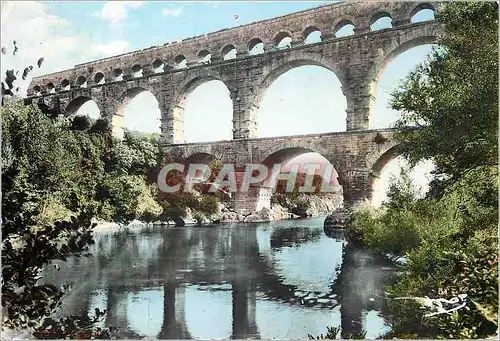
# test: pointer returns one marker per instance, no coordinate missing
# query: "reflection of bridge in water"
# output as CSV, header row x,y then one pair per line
x,y
239,258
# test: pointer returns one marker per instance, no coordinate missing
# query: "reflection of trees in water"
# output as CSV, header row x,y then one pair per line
x,y
336,234
129,261
294,236
360,286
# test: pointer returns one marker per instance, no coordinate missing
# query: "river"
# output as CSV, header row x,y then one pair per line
x,y
282,279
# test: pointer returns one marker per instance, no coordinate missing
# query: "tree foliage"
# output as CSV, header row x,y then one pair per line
x,y
450,237
452,99
58,175
42,160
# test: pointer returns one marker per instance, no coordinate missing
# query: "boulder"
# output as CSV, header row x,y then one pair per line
x,y
337,220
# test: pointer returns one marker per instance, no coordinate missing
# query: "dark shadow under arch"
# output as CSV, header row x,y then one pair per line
x,y
75,104
44,108
200,157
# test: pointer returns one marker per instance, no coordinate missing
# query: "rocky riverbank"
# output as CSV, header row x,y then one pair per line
x,y
301,206
315,206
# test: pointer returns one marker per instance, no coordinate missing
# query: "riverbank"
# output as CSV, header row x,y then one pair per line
x,y
316,206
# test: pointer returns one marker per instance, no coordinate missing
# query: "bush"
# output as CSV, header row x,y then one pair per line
x,y
451,248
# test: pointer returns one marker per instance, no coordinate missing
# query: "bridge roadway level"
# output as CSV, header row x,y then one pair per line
x,y
357,156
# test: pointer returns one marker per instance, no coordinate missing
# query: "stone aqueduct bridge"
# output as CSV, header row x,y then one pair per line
x,y
357,156
357,60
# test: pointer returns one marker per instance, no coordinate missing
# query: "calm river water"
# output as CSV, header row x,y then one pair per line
x,y
278,280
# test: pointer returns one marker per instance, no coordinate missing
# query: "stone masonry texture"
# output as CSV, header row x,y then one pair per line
x,y
357,60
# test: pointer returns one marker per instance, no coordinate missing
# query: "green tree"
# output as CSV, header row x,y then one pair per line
x,y
42,162
449,111
452,99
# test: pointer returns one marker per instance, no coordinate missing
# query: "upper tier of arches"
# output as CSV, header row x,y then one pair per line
x,y
325,23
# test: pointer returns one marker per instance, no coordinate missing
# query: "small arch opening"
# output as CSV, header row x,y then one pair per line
x,y
118,75
229,52
158,66
424,12
82,81
283,40
204,57
136,71
180,62
65,85
381,21
256,46
51,88
312,35
343,29
99,78
37,90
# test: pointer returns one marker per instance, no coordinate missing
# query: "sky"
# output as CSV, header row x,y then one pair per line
x,y
68,33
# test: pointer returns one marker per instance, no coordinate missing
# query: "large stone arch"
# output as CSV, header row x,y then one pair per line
x,y
76,103
190,83
285,151
397,47
288,63
180,99
282,153
292,61
127,94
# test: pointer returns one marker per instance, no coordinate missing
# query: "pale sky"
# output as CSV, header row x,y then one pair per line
x,y
304,100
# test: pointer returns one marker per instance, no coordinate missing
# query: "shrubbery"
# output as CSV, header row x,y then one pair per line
x,y
450,237
451,247
58,175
